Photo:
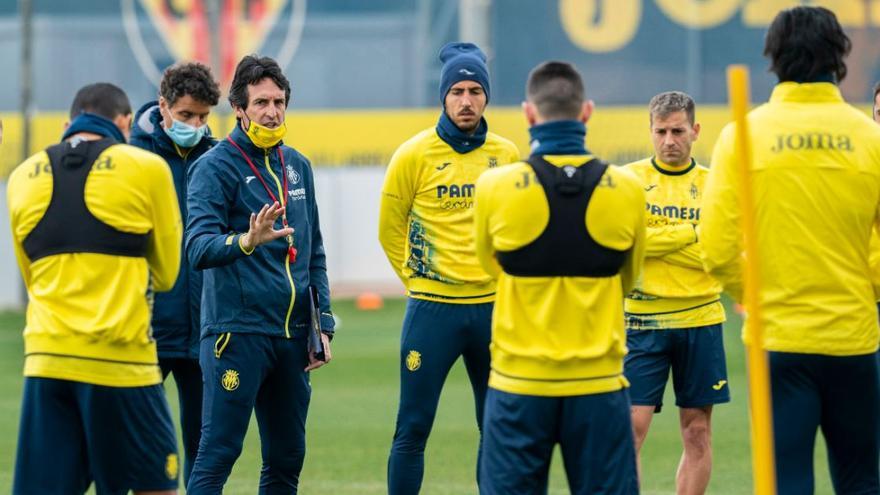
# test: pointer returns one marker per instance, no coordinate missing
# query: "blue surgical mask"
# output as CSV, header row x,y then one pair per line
x,y
185,135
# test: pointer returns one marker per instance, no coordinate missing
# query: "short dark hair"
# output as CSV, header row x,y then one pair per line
x,y
104,99
251,70
556,89
670,102
804,43
876,92
189,78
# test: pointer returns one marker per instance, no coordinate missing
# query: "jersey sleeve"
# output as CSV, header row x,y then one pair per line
x,y
513,154
163,250
720,225
28,194
635,259
24,263
620,191
663,240
482,230
686,257
874,257
398,192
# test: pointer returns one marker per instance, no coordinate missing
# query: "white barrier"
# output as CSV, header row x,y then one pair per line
x,y
348,200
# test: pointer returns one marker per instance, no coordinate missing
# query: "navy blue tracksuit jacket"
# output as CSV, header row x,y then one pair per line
x,y
176,312
260,293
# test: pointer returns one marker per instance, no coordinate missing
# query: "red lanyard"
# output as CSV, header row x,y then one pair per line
x,y
291,251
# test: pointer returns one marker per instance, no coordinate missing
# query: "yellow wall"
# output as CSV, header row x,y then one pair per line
x,y
334,138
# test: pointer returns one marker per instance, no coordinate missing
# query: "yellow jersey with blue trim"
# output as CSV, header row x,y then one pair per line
x,y
558,335
674,291
88,315
426,217
816,182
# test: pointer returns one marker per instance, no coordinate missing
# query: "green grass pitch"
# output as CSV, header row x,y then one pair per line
x,y
354,403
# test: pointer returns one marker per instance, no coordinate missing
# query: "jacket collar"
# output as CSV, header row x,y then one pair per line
x,y
151,121
818,92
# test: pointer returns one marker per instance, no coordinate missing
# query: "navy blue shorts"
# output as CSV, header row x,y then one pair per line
x,y
73,433
840,396
696,356
594,433
188,378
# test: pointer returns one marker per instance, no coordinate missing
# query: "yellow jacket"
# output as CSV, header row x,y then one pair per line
x,y
816,182
558,336
674,291
426,216
88,316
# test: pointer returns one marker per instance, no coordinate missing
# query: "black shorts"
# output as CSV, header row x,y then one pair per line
x,y
696,357
73,433
839,395
594,434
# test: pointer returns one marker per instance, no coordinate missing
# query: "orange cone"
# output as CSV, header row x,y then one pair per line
x,y
369,301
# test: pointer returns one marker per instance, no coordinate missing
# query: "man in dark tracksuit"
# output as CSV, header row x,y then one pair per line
x,y
175,128
253,228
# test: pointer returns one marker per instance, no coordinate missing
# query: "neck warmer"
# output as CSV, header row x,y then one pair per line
x,y
560,137
89,122
459,140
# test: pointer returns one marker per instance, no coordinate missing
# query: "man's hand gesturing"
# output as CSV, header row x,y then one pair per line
x,y
262,227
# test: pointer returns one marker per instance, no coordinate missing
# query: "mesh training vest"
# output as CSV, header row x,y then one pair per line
x,y
67,225
565,248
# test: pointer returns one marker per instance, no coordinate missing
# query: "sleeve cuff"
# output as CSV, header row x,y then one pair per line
x,y
328,323
243,250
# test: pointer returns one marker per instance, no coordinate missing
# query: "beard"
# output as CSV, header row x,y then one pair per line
x,y
468,126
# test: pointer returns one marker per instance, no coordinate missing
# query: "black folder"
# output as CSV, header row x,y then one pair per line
x,y
316,343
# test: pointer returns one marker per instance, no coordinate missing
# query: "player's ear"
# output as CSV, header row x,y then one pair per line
x,y
530,112
241,116
587,111
123,122
165,112
696,130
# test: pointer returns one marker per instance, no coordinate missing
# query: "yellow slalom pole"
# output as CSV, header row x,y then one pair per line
x,y
763,467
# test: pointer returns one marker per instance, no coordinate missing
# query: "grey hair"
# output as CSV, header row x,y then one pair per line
x,y
670,102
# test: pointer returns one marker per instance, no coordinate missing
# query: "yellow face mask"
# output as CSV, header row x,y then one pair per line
x,y
264,137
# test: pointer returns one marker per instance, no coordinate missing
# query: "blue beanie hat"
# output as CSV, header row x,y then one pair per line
x,y
462,62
